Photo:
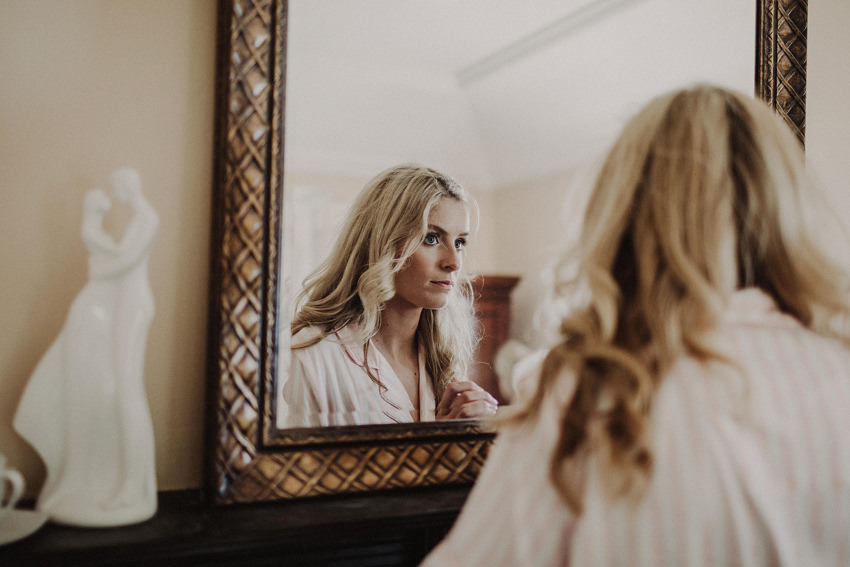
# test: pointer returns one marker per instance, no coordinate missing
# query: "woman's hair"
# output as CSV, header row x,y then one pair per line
x,y
702,194
384,227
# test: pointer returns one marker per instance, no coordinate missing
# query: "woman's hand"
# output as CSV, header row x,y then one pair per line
x,y
463,400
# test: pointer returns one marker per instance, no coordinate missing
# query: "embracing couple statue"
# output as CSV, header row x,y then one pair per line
x,y
85,409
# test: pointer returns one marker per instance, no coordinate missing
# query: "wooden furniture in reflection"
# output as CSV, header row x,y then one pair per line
x,y
493,310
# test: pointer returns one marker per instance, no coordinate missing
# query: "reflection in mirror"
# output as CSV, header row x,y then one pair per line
x,y
513,99
384,330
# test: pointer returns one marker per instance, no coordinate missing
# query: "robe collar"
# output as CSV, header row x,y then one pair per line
x,y
395,403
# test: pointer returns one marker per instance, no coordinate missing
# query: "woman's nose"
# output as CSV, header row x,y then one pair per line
x,y
451,259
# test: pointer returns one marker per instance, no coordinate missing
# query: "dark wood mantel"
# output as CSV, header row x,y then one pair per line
x,y
389,528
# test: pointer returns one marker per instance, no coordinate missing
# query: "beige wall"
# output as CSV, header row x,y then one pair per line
x,y
538,220
91,85
86,87
828,118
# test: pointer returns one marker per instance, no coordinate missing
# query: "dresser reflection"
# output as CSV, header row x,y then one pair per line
x,y
493,311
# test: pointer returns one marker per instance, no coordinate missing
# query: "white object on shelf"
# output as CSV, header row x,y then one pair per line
x,y
18,524
85,408
11,487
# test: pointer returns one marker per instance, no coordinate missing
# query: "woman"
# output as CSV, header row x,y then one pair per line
x,y
384,328
695,411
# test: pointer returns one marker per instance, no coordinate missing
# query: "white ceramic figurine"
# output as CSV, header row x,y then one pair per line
x,y
85,408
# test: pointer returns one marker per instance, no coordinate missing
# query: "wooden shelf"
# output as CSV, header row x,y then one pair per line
x,y
386,528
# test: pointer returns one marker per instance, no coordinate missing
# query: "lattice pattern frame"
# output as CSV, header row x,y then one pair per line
x,y
248,460
781,59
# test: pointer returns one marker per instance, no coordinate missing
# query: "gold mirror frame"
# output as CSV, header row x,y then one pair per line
x,y
248,459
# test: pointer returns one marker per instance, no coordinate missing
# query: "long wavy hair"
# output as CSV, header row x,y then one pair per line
x,y
387,222
702,194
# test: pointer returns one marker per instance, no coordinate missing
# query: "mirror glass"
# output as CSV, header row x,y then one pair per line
x,y
516,99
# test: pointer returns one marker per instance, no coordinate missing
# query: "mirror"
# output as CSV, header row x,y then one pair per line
x,y
493,93
250,459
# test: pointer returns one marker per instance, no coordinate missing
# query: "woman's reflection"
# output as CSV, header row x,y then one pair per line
x,y
384,330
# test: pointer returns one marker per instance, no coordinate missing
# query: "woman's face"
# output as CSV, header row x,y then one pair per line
x,y
430,274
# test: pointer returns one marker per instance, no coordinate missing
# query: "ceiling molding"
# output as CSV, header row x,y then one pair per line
x,y
588,14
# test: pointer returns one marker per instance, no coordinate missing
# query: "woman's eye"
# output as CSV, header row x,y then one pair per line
x,y
431,239
460,243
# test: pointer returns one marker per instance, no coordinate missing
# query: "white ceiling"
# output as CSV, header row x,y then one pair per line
x,y
493,91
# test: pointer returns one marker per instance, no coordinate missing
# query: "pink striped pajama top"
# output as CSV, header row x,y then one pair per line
x,y
752,466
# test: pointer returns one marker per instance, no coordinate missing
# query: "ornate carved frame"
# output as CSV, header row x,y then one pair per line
x,y
249,460
781,33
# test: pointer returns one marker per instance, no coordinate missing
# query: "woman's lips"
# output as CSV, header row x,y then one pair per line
x,y
444,284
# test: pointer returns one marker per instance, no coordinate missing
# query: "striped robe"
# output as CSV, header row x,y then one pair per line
x,y
752,466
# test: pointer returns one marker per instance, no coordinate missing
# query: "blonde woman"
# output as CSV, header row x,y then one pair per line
x,y
696,410
384,330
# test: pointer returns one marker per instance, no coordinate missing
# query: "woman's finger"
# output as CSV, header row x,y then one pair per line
x,y
466,400
461,388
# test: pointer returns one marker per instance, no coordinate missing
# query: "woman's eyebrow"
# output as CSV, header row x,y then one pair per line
x,y
440,230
